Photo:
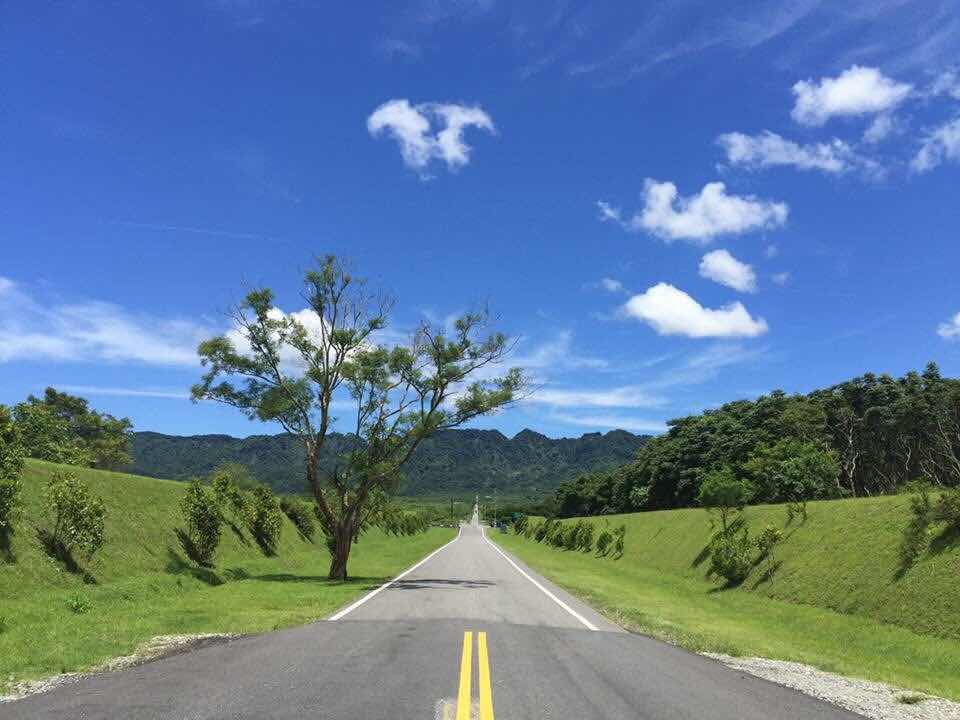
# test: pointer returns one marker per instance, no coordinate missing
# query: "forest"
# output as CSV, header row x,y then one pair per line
x,y
871,435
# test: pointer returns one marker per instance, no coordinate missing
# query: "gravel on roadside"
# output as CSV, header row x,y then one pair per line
x,y
873,700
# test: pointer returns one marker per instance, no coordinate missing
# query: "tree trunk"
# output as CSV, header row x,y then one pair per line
x,y
343,541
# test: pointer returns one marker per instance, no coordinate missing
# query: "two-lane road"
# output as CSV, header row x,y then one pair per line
x,y
469,622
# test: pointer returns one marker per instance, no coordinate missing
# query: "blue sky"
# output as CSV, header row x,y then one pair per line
x,y
671,206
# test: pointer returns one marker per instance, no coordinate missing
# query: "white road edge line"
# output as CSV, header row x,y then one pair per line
x,y
372,593
589,625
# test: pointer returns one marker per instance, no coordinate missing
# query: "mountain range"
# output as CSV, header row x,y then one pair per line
x,y
451,462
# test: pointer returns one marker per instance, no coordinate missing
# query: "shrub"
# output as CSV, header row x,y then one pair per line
x,y
520,524
265,518
201,513
540,532
228,494
11,465
767,540
301,515
78,603
4,624
584,536
730,556
725,494
76,515
619,537
948,508
914,540
604,542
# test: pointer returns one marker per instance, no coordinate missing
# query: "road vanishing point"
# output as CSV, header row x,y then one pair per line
x,y
468,633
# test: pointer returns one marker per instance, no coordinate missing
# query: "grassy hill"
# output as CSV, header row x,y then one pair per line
x,y
141,583
452,462
838,599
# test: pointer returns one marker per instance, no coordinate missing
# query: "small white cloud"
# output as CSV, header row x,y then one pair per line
x,y
781,278
769,150
947,83
880,129
856,91
628,396
950,330
612,285
701,217
608,212
125,392
670,311
411,127
937,147
612,422
722,267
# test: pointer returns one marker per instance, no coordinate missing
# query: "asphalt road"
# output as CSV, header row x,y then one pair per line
x,y
467,628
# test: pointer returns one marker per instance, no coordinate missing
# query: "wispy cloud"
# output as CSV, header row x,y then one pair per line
x,y
611,422
214,232
91,330
124,392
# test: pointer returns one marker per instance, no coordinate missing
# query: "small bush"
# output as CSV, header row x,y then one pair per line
x,y
228,494
520,525
540,532
584,536
265,518
4,624
619,538
300,515
768,538
604,542
201,513
78,603
11,464
730,556
948,508
77,517
914,540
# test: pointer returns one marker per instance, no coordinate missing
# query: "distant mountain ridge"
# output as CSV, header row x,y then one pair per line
x,y
452,461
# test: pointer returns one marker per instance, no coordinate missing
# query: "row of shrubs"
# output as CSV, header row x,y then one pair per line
x,y
579,535
927,514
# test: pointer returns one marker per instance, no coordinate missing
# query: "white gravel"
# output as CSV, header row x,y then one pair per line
x,y
873,700
158,647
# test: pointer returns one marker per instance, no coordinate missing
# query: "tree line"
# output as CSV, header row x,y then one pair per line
x,y
873,434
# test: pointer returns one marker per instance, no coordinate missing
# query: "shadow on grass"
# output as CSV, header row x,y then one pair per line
x,y
267,547
234,574
190,549
6,547
768,574
55,549
948,538
235,529
371,582
178,565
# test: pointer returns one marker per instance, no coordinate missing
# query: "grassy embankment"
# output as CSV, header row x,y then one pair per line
x,y
838,598
141,584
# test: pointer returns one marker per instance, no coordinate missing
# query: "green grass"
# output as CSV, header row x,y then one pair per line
x,y
141,584
838,600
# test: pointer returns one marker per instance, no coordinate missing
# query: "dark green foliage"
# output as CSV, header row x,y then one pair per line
x,y
448,462
584,541
619,538
11,465
767,540
870,435
203,519
75,516
731,555
948,509
520,525
264,517
301,515
63,428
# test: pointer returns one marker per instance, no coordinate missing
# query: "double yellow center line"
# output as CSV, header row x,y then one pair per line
x,y
464,696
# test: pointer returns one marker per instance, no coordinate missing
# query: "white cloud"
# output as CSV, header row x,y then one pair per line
x,y
612,422
880,129
722,267
856,91
612,285
946,83
627,396
670,311
557,353
781,278
701,217
124,392
950,330
411,126
937,147
769,149
91,331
